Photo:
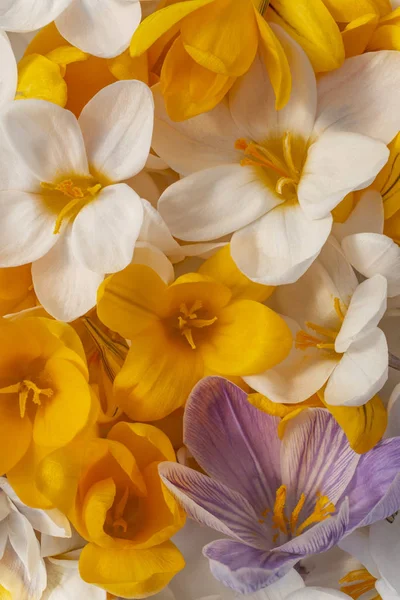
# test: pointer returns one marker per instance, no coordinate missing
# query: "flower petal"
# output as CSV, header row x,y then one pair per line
x,y
232,441
366,309
26,228
337,163
151,256
8,69
105,230
384,544
280,246
16,433
361,372
366,217
101,27
361,97
47,138
214,202
18,15
372,253
117,125
317,593
154,231
64,286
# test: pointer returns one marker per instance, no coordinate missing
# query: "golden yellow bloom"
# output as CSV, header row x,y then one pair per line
x,y
111,491
45,399
195,327
16,290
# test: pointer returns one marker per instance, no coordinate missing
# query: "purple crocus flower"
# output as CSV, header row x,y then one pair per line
x,y
277,501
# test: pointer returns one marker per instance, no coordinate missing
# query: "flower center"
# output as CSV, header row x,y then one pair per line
x,y
188,319
26,390
256,155
306,340
357,583
79,193
324,508
115,516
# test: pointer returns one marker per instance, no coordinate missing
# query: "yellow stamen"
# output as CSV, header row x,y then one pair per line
x,y
258,156
338,309
287,153
285,182
326,346
322,511
279,520
330,333
241,144
23,388
296,513
190,320
189,336
357,583
119,521
66,211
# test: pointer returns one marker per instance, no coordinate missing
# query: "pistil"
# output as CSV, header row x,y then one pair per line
x,y
189,319
24,389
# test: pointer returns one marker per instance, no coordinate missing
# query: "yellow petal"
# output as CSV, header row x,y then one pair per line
x,y
158,375
364,426
222,268
344,11
126,67
172,426
387,183
16,289
311,25
130,301
343,210
130,573
276,63
40,78
5,594
22,478
65,55
159,22
15,432
284,411
386,37
62,416
358,34
191,287
188,88
147,443
247,338
222,37
71,347
98,502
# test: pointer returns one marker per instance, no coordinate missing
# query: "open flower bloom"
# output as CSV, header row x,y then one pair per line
x,y
334,322
377,549
103,28
22,569
272,177
111,492
277,501
190,46
45,399
63,208
195,326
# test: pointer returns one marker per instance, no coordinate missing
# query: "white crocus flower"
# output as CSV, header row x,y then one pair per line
x,y
100,27
377,548
364,244
22,569
337,342
65,209
65,583
272,178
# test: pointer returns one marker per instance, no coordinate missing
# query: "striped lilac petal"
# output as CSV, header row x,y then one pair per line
x,y
316,458
245,569
213,504
374,492
233,441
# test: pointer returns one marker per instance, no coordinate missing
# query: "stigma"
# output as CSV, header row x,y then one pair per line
x,y
189,319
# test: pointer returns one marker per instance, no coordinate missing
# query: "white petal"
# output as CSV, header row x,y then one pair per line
x,y
366,309
65,583
14,576
317,593
202,142
366,217
337,163
65,288
146,254
385,547
298,377
372,253
14,174
362,96
47,138
361,372
255,112
19,43
20,15
212,203
393,428
53,546
100,27
357,544
105,230
117,125
8,70
386,591
26,228
155,231
280,246
23,540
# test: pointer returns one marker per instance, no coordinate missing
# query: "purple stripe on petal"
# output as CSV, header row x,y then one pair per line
x,y
213,504
320,537
316,457
245,569
374,492
232,441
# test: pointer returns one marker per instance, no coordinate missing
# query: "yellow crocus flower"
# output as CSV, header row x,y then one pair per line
x,y
200,47
111,492
180,333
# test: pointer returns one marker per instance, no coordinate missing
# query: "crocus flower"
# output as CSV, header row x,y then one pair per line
x,y
103,28
277,501
271,178
64,207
